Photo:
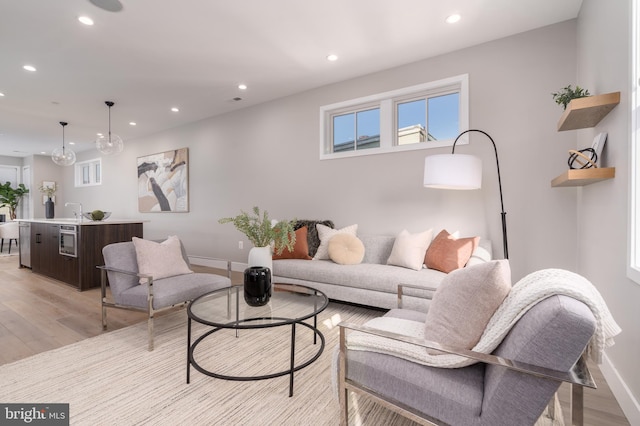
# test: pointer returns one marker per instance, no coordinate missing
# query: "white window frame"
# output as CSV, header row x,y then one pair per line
x,y
387,102
633,264
78,177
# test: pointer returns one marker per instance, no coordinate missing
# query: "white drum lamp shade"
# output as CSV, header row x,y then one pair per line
x,y
452,171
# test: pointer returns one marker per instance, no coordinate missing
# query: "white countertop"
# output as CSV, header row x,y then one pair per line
x,y
73,221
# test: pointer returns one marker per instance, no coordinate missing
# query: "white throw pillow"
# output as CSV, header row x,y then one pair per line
x,y
409,249
160,260
325,233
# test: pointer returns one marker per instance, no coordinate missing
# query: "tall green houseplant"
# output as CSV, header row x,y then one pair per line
x,y
261,232
10,197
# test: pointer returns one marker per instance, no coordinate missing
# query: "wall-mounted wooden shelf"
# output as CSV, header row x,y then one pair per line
x,y
587,112
581,177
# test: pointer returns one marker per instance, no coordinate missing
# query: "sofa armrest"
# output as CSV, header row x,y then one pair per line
x,y
401,288
578,375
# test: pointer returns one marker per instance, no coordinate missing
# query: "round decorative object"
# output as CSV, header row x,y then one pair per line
x,y
257,285
97,215
346,249
49,209
109,144
586,158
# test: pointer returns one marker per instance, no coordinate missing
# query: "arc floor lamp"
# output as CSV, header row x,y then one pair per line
x,y
462,171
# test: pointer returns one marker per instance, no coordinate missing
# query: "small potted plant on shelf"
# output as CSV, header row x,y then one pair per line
x,y
262,231
566,94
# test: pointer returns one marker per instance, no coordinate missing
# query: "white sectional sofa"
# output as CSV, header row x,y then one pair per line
x,y
372,282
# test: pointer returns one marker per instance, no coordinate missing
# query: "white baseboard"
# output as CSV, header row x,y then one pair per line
x,y
625,398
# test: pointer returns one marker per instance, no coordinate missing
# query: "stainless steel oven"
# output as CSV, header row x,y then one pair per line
x,y
69,240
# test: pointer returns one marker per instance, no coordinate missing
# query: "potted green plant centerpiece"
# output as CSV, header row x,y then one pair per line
x,y
262,232
10,197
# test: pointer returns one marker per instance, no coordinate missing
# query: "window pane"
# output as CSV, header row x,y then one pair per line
x,y
368,128
97,169
412,117
444,117
343,132
85,175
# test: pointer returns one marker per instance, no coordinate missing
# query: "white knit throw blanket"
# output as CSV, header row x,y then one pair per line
x,y
524,294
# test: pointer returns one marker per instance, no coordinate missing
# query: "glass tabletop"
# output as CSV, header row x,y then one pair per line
x,y
226,308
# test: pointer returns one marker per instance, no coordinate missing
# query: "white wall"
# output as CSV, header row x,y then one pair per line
x,y
267,155
604,34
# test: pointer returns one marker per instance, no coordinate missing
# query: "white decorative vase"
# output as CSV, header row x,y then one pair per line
x,y
261,256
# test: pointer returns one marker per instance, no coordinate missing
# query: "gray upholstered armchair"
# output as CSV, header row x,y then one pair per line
x,y
511,386
133,290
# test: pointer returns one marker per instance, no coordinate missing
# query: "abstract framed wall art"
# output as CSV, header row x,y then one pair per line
x,y
163,182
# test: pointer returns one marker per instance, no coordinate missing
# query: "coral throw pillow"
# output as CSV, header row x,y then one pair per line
x,y
300,247
325,233
448,253
464,303
409,249
160,260
346,249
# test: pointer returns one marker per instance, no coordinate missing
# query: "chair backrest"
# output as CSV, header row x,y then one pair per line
x,y
123,256
552,334
9,230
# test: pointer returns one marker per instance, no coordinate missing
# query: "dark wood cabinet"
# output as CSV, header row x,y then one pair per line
x,y
80,271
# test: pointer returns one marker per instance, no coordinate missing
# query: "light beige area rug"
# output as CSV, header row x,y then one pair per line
x,y
112,379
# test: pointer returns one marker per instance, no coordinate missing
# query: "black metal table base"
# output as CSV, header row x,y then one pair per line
x,y
292,365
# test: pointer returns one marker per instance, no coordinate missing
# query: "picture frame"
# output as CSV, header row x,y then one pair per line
x,y
163,182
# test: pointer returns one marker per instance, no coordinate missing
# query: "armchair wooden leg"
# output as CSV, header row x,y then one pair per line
x,y
104,317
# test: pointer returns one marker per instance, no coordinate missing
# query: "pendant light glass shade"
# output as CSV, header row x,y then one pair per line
x,y
62,156
111,143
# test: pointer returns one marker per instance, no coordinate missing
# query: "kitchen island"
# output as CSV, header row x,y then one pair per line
x,y
69,250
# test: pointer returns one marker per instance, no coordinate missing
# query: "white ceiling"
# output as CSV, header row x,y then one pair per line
x,y
155,54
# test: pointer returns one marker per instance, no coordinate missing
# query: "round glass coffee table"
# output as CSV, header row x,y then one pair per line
x,y
290,305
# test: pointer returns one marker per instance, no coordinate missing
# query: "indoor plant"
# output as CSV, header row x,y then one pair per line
x,y
566,94
10,197
262,232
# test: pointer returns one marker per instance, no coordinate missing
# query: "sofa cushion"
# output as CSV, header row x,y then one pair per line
x,y
409,249
464,303
383,278
312,233
377,248
346,249
448,253
160,260
300,248
325,233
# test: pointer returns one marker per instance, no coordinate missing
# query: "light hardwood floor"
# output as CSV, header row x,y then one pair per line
x,y
38,314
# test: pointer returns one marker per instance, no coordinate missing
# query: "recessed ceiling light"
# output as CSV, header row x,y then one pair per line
x,y
1,94
452,19
242,86
72,143
132,123
29,68
174,109
332,58
42,152
98,134
85,20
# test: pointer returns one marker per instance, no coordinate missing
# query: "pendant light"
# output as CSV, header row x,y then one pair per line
x,y
112,143
62,156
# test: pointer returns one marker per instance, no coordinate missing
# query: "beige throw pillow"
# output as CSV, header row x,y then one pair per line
x,y
160,260
325,233
346,249
464,303
409,249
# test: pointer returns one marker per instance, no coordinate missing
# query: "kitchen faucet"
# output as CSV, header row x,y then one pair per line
x,y
75,213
